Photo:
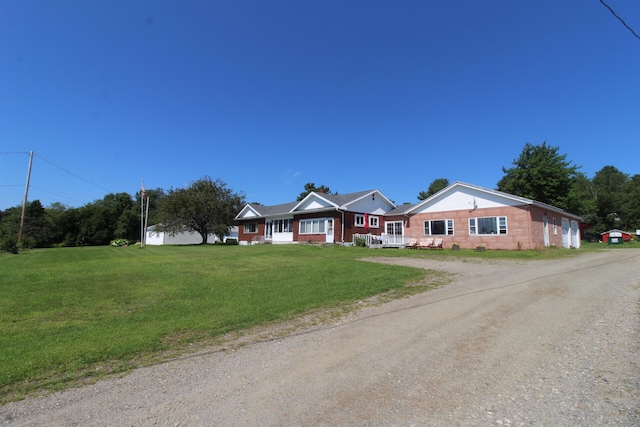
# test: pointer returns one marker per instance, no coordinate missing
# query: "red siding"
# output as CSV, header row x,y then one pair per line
x,y
248,237
350,226
320,237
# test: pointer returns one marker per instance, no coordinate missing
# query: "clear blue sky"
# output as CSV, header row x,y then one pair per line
x,y
270,95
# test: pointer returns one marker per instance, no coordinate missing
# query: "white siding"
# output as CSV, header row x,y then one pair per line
x,y
466,199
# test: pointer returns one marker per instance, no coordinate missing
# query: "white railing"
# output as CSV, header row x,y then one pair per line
x,y
390,240
384,240
260,240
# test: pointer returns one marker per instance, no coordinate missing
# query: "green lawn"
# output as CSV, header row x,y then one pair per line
x,y
75,314
70,314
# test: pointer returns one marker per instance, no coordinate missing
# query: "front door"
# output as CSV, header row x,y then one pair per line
x,y
545,230
566,233
330,230
268,230
575,234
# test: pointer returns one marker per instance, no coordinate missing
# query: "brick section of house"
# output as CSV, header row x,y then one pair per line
x,y
519,235
248,237
320,237
350,226
525,227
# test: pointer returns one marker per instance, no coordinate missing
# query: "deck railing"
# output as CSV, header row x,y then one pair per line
x,y
385,240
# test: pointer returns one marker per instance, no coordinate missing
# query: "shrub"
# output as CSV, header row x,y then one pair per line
x,y
120,242
9,244
360,242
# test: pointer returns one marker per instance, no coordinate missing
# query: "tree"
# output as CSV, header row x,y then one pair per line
x,y
610,195
631,205
309,187
205,207
581,199
541,174
435,186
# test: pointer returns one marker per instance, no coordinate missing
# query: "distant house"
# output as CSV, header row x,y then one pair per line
x,y
319,217
154,237
615,234
462,213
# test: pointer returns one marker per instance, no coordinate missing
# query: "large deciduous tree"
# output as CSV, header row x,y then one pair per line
x,y
205,207
435,186
611,187
542,174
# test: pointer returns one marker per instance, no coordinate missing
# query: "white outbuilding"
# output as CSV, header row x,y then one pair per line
x,y
157,238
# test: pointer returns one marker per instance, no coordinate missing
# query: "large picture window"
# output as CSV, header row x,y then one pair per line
x,y
251,227
488,225
438,227
312,226
282,225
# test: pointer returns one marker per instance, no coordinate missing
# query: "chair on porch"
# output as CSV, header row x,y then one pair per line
x,y
437,244
413,243
425,243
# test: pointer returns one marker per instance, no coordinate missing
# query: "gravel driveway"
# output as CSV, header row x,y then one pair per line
x,y
553,343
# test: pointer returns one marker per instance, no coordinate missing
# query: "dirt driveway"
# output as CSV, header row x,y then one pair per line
x,y
508,343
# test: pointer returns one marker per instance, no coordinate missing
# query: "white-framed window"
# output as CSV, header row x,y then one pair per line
x,y
251,227
374,222
283,225
394,228
555,227
488,225
312,226
359,220
438,227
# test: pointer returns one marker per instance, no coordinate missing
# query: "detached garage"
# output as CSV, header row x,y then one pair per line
x,y
615,236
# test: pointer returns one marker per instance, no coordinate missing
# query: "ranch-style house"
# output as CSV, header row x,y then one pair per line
x,y
467,215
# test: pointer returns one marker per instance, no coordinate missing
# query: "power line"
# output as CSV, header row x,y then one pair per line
x,y
73,174
56,194
620,19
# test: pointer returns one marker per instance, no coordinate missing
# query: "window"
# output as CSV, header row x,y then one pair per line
x,y
251,227
312,226
359,220
488,225
374,222
440,227
555,227
394,228
282,225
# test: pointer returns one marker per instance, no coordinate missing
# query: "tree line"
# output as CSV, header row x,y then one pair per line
x,y
608,200
205,206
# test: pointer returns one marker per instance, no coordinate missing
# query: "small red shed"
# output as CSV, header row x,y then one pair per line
x,y
615,234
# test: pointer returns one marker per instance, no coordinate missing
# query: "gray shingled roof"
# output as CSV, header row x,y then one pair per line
x,y
285,208
273,210
402,209
343,199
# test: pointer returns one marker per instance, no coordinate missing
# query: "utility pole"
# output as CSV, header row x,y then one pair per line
x,y
26,193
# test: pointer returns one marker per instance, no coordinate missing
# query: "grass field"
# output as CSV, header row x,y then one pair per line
x,y
71,315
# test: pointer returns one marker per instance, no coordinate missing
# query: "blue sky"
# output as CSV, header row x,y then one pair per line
x,y
270,95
